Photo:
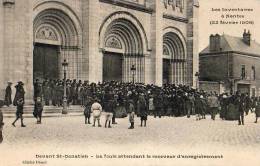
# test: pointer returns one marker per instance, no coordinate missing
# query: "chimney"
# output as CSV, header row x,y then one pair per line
x,y
214,42
247,37
217,42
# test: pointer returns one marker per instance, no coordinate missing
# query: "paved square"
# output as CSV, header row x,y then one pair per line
x,y
165,136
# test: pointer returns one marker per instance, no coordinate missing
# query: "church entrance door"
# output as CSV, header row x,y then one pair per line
x,y
112,66
45,62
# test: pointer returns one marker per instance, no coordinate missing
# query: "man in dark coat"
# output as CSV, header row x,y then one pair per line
x,y
38,108
37,89
19,92
159,105
141,106
87,110
19,111
8,94
110,107
240,102
47,94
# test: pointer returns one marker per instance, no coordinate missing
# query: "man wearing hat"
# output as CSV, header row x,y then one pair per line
x,y
19,112
96,109
8,94
19,94
141,106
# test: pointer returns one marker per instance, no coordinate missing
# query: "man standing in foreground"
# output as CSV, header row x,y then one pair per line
x,y
96,109
214,105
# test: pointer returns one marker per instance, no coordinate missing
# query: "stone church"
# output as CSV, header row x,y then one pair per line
x,y
100,39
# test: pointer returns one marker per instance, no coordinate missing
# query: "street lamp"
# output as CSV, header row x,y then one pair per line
x,y
133,69
65,65
197,79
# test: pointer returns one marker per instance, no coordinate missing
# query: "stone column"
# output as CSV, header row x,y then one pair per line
x,y
8,42
28,59
192,41
93,54
175,73
157,41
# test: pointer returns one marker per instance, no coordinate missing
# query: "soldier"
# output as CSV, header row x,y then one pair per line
x,y
96,109
19,112
8,94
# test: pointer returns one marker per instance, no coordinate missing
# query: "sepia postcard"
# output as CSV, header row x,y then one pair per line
x,y
129,82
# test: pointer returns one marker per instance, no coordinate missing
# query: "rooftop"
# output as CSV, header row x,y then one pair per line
x,y
236,44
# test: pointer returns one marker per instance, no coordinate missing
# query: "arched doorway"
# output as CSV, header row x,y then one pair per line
x,y
56,37
122,43
174,60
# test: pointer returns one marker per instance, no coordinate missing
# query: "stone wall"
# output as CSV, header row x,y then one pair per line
x,y
212,87
213,67
16,45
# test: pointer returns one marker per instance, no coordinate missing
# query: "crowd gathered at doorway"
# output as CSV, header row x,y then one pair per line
x,y
118,99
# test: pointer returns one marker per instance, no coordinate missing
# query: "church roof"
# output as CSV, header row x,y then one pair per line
x,y
236,44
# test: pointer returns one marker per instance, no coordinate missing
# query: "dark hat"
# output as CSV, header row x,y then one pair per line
x,y
20,83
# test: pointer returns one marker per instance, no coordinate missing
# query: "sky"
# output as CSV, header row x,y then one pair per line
x,y
206,14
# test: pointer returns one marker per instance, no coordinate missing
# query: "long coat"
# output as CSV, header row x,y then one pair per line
x,y
19,94
198,105
38,108
8,95
141,106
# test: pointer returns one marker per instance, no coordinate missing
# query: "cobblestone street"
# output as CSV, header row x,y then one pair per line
x,y
165,136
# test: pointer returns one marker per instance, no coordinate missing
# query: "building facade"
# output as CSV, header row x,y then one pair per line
x,y
234,61
100,39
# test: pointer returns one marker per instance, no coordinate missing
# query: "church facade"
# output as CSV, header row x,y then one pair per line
x,y
100,39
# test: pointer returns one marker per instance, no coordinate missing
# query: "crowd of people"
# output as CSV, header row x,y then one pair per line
x,y
118,99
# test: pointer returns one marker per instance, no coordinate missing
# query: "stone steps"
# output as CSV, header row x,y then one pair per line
x,y
48,111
